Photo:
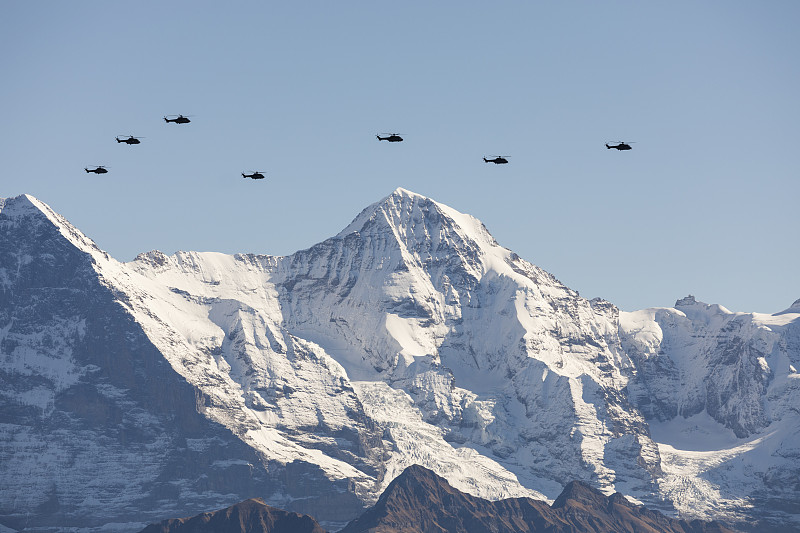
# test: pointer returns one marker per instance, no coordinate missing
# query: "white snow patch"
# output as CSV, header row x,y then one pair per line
x,y
409,335
417,442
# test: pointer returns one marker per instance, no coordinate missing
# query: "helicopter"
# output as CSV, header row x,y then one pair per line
x,y
620,146
391,137
180,119
99,169
255,175
499,160
130,140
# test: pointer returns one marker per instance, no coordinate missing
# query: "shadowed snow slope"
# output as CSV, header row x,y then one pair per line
x,y
175,384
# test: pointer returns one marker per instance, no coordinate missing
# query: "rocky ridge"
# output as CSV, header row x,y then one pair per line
x,y
249,516
420,501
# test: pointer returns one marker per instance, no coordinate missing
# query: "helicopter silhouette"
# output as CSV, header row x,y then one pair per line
x,y
99,169
391,137
620,146
255,175
130,140
180,119
499,160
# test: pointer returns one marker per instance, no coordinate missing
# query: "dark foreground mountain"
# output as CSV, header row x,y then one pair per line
x,y
246,517
419,501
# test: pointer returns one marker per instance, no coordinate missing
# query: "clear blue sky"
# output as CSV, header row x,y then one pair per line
x,y
706,203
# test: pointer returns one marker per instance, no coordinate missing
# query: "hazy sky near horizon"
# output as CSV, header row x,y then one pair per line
x,y
706,202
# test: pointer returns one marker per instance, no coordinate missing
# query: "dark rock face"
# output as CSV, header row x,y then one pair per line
x,y
251,516
420,501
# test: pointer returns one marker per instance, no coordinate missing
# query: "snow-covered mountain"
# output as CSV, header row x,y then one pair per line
x,y
170,385
721,394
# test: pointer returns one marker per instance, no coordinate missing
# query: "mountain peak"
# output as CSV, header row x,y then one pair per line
x,y
19,206
405,192
389,207
580,492
414,218
248,516
416,476
424,232
687,301
416,483
29,210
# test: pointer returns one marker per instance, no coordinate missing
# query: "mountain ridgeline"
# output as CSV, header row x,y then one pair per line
x,y
250,516
174,384
419,501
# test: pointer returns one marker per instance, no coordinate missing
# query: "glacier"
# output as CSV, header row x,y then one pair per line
x,y
175,384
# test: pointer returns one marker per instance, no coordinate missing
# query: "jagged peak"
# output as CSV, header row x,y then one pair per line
x,y
21,205
27,207
387,203
690,306
403,210
426,228
153,258
686,301
405,192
